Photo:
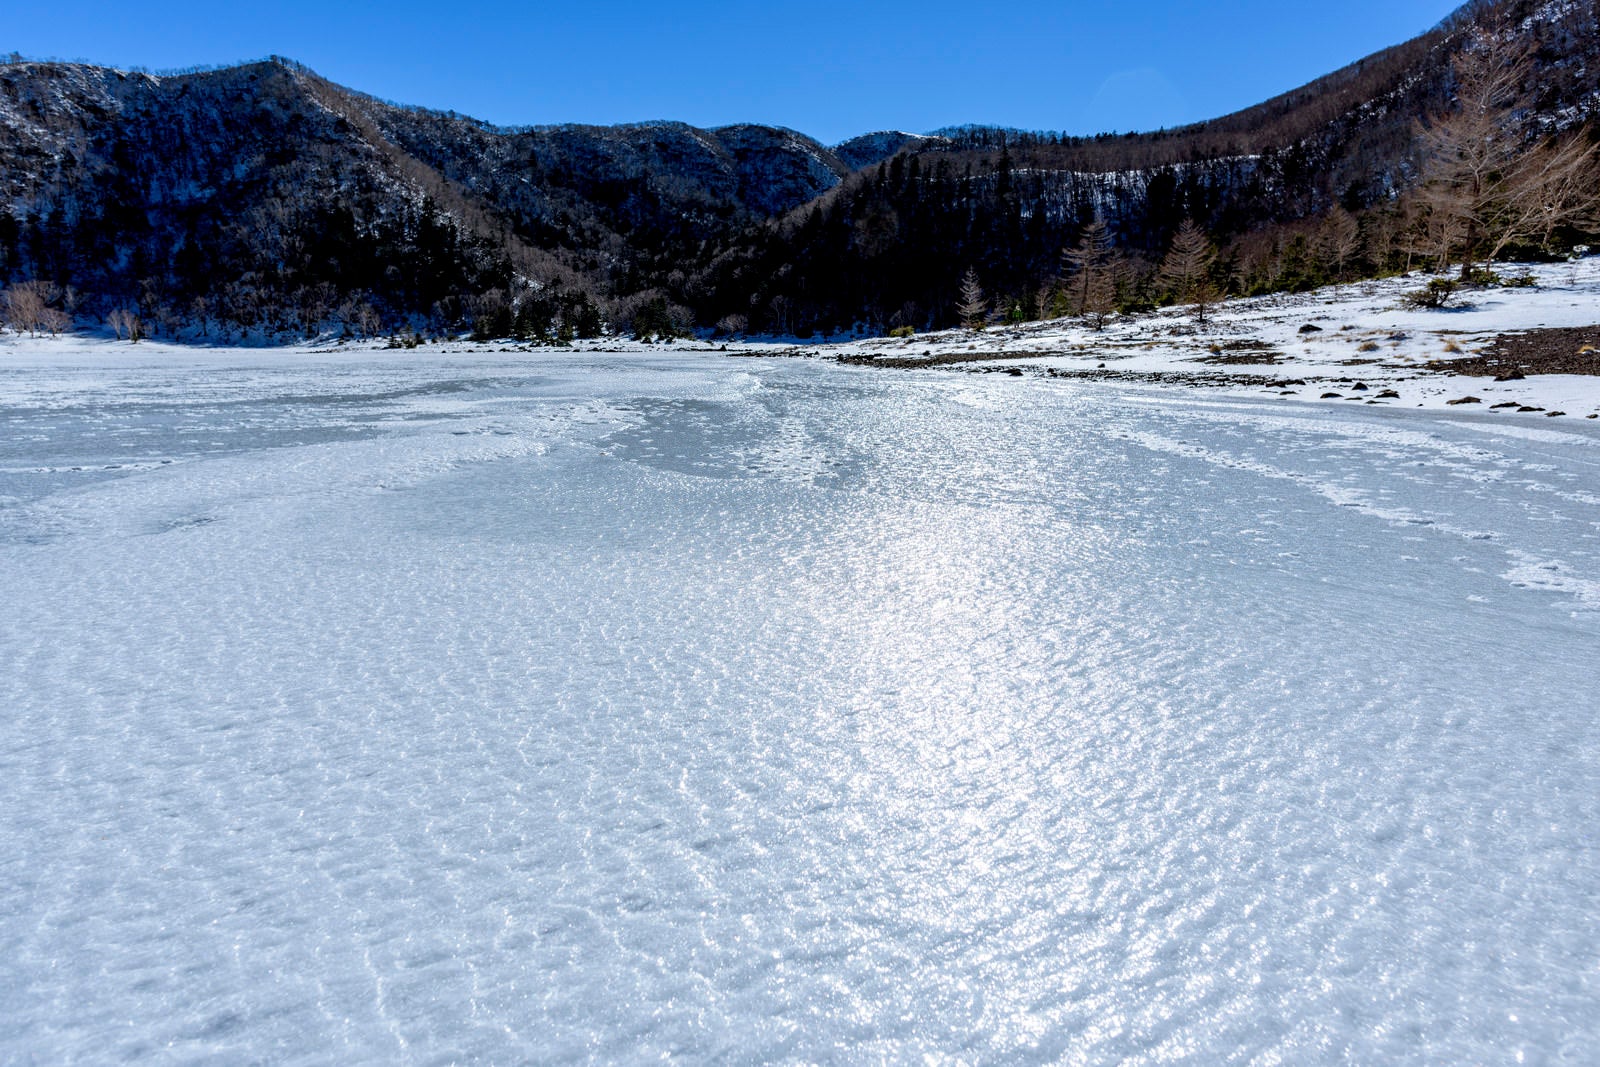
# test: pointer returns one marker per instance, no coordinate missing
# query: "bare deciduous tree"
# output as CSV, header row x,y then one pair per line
x,y
1340,241
1488,185
1186,270
972,307
1043,300
360,316
125,323
200,316
778,309
1092,262
25,305
55,321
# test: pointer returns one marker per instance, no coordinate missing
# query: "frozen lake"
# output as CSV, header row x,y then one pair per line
x,y
423,709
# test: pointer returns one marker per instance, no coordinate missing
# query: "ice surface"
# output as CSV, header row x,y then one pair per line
x,y
449,708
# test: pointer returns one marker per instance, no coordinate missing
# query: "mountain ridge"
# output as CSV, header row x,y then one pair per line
x,y
264,193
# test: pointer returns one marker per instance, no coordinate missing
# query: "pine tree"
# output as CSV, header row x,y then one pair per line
x,y
1186,270
973,307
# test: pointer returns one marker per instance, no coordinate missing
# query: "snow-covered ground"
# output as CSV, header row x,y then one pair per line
x,y
466,706
1365,337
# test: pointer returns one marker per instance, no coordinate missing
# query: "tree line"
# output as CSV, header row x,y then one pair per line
x,y
265,202
1484,175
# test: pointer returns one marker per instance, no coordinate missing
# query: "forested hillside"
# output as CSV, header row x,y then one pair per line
x,y
265,200
264,197
1303,189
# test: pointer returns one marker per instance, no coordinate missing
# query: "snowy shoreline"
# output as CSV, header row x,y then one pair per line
x,y
1354,343
1357,341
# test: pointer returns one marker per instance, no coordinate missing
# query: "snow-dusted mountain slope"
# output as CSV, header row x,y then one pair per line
x,y
265,183
871,148
267,198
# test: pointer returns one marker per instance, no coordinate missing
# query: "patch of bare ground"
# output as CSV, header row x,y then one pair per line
x,y
1175,378
1242,352
1092,374
943,359
1573,350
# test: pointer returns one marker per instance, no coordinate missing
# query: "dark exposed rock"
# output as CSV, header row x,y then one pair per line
x,y
1513,356
1241,359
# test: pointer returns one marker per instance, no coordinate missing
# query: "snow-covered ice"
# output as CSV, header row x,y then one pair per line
x,y
434,707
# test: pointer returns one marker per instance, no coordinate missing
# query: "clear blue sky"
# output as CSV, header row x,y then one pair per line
x,y
829,68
